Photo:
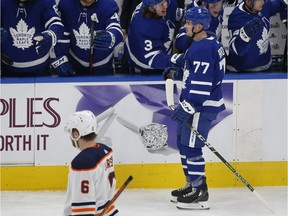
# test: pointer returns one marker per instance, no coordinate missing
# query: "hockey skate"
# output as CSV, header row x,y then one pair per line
x,y
197,199
180,192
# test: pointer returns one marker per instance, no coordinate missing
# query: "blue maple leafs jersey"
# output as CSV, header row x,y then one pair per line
x,y
182,41
149,41
77,22
203,74
254,54
23,21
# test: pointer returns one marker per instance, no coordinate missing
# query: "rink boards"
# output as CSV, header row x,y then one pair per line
x,y
148,175
251,133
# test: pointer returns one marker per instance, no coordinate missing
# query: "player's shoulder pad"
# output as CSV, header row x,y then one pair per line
x,y
89,158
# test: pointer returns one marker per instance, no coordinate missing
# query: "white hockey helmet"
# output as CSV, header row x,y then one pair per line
x,y
84,121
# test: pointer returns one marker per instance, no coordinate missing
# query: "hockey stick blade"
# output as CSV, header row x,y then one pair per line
x,y
6,59
153,136
231,168
169,88
121,189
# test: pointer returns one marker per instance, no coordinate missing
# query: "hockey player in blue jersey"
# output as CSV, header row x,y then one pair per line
x,y
150,37
200,102
32,28
92,31
215,8
249,26
91,180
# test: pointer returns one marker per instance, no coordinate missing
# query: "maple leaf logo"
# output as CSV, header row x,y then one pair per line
x,y
171,28
82,36
22,36
264,42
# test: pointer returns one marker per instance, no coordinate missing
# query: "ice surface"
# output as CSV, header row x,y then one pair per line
x,y
150,202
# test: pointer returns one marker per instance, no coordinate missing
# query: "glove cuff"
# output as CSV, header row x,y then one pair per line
x,y
53,35
173,58
179,14
112,40
187,107
244,36
59,62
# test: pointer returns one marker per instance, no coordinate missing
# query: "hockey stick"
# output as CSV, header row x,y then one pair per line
x,y
283,17
105,114
169,87
109,115
284,58
153,136
93,19
6,59
108,205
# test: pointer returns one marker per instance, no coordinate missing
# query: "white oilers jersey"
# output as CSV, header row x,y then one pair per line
x,y
247,54
202,78
91,182
23,21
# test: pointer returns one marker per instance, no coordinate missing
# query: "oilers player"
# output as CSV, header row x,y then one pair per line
x,y
149,42
91,181
31,28
215,8
91,34
200,102
248,26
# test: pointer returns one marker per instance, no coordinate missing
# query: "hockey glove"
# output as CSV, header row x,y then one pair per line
x,y
45,41
104,40
62,66
179,14
253,27
179,115
4,35
175,73
178,59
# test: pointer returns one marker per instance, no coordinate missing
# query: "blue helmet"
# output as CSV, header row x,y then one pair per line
x,y
152,3
198,15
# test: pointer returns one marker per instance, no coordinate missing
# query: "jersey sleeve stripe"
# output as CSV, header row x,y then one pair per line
x,y
64,41
199,92
83,203
201,83
214,103
154,53
52,20
83,210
